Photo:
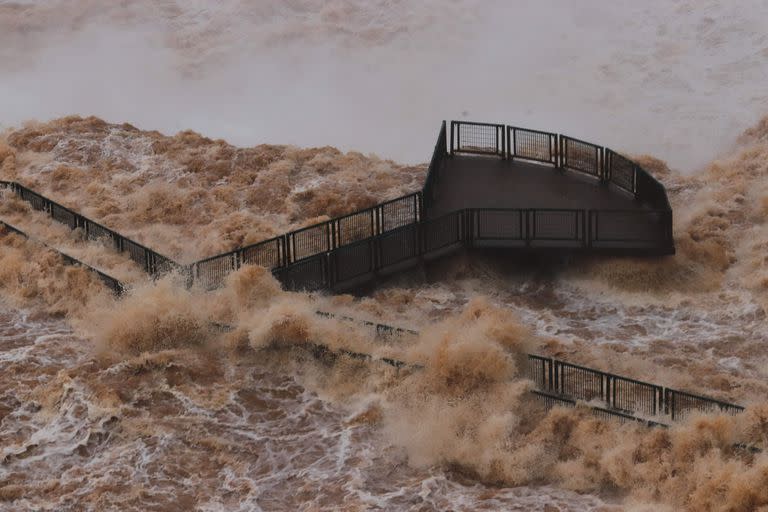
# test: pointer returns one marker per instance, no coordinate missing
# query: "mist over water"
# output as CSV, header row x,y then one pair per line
x,y
675,79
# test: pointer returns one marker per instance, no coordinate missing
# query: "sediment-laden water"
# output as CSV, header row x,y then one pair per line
x,y
142,404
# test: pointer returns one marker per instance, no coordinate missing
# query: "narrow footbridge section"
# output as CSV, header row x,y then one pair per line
x,y
488,186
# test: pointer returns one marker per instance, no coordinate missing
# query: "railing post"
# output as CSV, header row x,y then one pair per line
x,y
501,131
564,158
553,152
600,155
334,234
379,213
612,399
672,406
190,276
332,270
374,232
420,205
550,383
468,221
453,124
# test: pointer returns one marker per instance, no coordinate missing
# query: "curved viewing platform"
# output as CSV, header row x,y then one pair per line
x,y
532,189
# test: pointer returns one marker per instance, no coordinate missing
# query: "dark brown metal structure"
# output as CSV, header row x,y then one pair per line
x,y
488,185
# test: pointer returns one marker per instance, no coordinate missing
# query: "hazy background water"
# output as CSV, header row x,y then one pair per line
x,y
678,79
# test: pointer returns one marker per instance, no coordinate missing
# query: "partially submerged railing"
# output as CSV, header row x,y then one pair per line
x,y
609,396
562,383
110,282
558,382
153,263
618,393
276,253
388,236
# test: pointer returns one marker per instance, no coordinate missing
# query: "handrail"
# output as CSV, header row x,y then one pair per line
x,y
113,284
550,387
484,138
151,261
279,253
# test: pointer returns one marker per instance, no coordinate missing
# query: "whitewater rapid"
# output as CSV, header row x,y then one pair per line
x,y
182,442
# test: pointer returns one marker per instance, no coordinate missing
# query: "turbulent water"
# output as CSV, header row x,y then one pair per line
x,y
140,404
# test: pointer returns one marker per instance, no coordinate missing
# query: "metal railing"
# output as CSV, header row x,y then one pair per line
x,y
297,253
552,400
619,394
475,227
532,145
110,282
679,404
396,232
559,151
153,263
578,155
478,138
289,250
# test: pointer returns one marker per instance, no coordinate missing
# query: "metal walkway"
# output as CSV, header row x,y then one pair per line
x,y
488,185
